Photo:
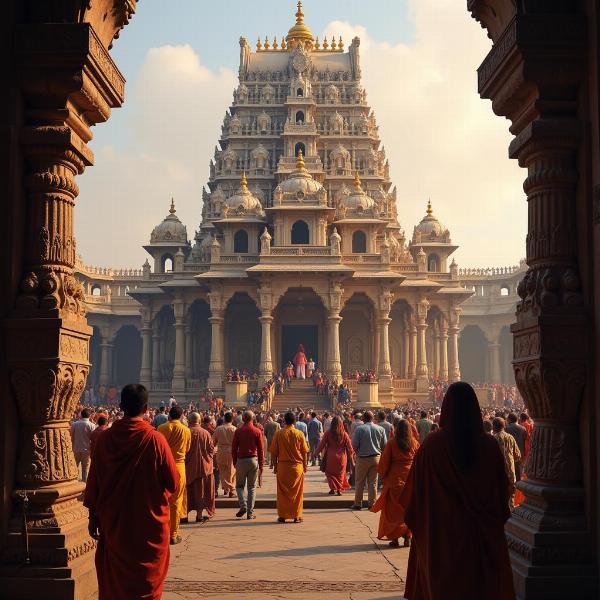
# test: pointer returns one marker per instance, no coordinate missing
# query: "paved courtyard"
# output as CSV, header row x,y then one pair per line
x,y
334,552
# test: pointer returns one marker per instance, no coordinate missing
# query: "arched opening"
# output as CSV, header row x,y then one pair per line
x,y
433,342
356,335
433,263
128,355
359,242
507,374
95,355
300,233
201,332
299,146
300,92
300,117
399,334
472,352
167,263
243,334
164,361
240,241
96,291
505,290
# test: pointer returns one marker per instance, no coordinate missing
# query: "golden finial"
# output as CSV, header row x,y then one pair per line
x,y
172,209
325,43
340,44
275,44
333,42
317,43
244,182
258,44
300,13
357,182
300,159
429,209
266,44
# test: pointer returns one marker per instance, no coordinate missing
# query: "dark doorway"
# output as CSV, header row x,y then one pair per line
x,y
300,233
293,335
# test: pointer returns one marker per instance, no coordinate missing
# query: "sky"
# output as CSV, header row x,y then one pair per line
x,y
419,60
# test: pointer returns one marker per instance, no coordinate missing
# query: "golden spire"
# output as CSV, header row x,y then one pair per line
x,y
325,43
172,209
258,44
340,44
357,182
283,44
244,182
299,13
300,166
266,44
275,44
429,209
317,43
333,42
300,32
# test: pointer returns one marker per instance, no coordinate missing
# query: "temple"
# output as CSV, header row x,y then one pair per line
x,y
299,242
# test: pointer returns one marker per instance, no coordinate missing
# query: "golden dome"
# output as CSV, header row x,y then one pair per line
x,y
300,32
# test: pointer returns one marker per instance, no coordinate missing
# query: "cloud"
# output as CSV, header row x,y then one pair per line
x,y
442,141
173,119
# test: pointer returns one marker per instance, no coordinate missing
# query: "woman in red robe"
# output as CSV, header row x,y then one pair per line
x,y
394,466
127,493
456,501
338,447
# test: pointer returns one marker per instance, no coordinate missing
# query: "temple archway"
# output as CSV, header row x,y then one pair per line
x,y
300,233
128,355
242,334
201,335
357,334
399,335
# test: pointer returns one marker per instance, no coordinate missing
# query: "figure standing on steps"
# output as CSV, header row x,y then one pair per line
x,y
300,362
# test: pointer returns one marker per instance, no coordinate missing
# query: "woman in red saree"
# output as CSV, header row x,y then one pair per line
x,y
337,447
394,466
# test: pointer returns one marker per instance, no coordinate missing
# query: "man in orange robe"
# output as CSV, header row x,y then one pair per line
x,y
289,452
456,501
128,488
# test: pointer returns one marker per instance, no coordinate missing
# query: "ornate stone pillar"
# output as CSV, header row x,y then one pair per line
x,y
406,349
422,368
543,89
266,320
155,352
178,382
412,353
216,368
146,331
189,367
334,365
443,374
494,361
68,82
105,361
454,330
384,367
436,350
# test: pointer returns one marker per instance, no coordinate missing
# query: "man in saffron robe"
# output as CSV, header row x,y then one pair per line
x,y
133,465
199,476
289,452
456,504
300,361
179,439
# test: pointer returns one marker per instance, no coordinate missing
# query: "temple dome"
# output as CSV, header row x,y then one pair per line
x,y
429,226
300,180
358,199
300,31
171,230
244,200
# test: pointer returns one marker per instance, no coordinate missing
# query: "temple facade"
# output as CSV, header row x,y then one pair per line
x,y
299,242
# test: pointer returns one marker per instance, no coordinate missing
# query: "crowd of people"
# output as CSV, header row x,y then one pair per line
x,y
172,461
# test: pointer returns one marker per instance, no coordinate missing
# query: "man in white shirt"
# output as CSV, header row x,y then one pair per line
x,y
80,438
172,402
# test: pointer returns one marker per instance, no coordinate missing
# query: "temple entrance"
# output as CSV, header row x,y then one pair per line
x,y
293,335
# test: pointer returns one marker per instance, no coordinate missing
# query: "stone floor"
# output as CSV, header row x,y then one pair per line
x,y
333,552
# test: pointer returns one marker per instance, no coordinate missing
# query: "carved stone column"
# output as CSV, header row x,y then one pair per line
x,y
68,82
454,330
422,368
216,367
105,361
494,362
334,305
443,374
436,350
146,368
178,382
412,351
406,349
384,368
535,75
189,367
155,352
266,320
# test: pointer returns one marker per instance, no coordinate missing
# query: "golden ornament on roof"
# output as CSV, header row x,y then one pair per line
x,y
300,32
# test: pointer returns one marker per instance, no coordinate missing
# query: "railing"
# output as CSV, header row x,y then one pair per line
x,y
96,299
195,385
404,384
491,271
239,258
362,258
300,251
161,386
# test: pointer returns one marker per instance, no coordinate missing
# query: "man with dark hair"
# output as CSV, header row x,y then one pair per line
x,y
315,431
222,439
132,464
423,426
510,453
387,426
81,432
247,451
300,425
101,425
179,438
520,434
289,451
160,417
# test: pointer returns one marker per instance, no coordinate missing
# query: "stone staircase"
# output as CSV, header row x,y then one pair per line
x,y
302,393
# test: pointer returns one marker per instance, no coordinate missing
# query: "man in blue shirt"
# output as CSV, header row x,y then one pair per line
x,y
315,431
301,425
161,417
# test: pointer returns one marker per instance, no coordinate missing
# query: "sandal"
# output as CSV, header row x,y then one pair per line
x,y
298,520
280,520
331,492
394,544
339,493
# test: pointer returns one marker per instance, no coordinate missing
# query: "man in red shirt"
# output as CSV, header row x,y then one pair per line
x,y
248,456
